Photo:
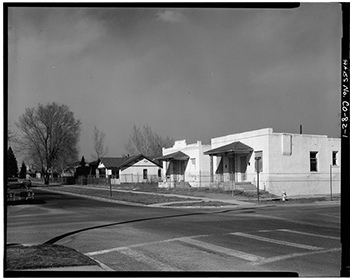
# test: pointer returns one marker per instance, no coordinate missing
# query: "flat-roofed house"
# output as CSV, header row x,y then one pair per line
x,y
184,164
300,164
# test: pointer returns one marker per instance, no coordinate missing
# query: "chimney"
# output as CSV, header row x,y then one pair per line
x,y
301,129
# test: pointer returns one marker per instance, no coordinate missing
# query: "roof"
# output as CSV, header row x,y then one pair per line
x,y
174,156
124,162
235,147
112,162
133,159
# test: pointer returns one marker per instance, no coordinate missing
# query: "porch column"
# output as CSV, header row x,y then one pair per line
x,y
226,168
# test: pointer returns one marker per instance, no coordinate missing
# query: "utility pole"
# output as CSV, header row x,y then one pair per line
x,y
257,159
330,180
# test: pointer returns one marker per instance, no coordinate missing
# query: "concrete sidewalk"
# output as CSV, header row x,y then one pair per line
x,y
87,268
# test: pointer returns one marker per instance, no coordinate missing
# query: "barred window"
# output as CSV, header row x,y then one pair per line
x,y
313,161
334,158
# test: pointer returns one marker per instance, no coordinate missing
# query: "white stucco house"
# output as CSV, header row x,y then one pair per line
x,y
296,163
133,169
184,164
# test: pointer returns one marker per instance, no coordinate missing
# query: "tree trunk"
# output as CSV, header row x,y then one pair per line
x,y
46,178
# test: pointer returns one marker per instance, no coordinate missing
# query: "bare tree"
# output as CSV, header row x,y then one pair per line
x,y
10,134
99,144
49,136
147,142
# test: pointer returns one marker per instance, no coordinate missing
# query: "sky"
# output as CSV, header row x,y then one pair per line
x,y
188,73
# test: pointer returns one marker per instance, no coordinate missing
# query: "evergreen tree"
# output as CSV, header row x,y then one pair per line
x,y
82,162
12,167
23,172
82,170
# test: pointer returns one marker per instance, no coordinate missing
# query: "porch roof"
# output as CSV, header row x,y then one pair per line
x,y
235,147
174,156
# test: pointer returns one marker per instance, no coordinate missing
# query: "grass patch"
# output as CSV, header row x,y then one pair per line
x,y
200,204
146,199
195,191
294,200
20,257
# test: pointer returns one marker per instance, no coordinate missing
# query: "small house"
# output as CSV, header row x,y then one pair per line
x,y
130,169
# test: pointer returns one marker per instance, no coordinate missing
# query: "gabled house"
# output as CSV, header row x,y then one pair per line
x,y
131,169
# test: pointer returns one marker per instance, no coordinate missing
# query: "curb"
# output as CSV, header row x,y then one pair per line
x,y
102,265
231,203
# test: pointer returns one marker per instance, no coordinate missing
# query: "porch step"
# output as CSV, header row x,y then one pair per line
x,y
182,184
246,186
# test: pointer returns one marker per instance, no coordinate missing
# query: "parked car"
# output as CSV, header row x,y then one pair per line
x,y
27,182
19,191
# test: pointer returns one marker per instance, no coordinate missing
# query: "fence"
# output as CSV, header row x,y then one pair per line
x,y
115,180
293,183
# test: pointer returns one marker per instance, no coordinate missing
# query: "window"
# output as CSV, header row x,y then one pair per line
x,y
159,173
193,161
334,158
313,161
145,174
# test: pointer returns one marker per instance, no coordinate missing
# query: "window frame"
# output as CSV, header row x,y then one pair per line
x,y
334,158
313,161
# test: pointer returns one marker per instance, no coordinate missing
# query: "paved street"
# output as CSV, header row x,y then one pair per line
x,y
299,238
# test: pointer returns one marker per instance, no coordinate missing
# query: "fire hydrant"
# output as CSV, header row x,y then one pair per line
x,y
284,196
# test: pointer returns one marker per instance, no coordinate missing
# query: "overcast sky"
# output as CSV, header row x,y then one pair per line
x,y
188,73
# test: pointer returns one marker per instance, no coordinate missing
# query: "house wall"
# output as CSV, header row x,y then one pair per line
x,y
198,164
290,170
258,140
134,174
286,161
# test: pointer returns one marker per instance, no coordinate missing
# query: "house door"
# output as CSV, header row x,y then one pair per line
x,y
231,167
243,162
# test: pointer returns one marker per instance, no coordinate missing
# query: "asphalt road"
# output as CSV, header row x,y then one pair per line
x,y
298,238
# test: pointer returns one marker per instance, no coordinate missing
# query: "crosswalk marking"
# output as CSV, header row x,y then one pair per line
x,y
330,215
138,256
293,255
226,251
308,234
117,249
282,242
252,259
